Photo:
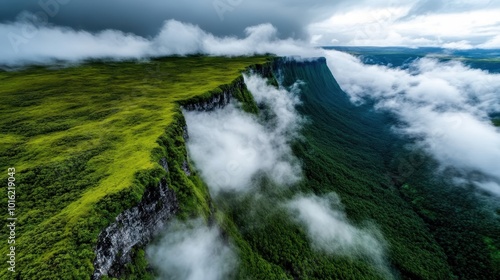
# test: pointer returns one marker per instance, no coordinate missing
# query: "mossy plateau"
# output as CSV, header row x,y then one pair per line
x,y
85,142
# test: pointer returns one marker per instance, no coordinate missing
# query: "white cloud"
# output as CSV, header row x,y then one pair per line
x,y
491,187
22,42
460,45
445,105
182,38
493,43
231,147
358,25
330,231
396,25
26,41
374,23
460,25
192,251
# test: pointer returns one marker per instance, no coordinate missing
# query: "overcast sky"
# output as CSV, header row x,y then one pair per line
x,y
454,23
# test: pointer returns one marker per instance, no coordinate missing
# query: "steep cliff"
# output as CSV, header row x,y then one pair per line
x,y
136,227
133,227
222,95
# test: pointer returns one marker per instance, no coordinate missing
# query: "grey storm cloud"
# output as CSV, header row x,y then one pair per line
x,y
145,18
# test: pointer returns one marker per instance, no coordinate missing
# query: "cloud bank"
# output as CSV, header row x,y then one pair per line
x,y
29,41
192,251
445,106
231,147
330,231
460,24
453,24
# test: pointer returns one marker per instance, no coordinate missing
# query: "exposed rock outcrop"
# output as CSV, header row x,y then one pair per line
x,y
218,100
134,227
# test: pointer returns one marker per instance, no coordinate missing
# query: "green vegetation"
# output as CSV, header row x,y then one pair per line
x,y
432,230
494,254
496,122
435,230
462,224
274,247
346,151
86,142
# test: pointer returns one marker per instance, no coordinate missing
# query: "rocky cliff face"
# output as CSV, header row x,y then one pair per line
x,y
134,227
218,100
221,96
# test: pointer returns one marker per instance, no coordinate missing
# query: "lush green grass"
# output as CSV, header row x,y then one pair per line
x,y
85,143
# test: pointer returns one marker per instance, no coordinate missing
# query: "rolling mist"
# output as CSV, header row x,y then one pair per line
x,y
192,250
330,231
231,147
31,41
444,106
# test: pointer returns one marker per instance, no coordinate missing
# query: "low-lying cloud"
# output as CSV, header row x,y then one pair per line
x,y
192,251
330,231
444,105
29,41
231,147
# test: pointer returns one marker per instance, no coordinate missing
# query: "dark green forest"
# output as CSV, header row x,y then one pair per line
x,y
434,230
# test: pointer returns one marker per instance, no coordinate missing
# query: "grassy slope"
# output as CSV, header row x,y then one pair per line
x,y
80,135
